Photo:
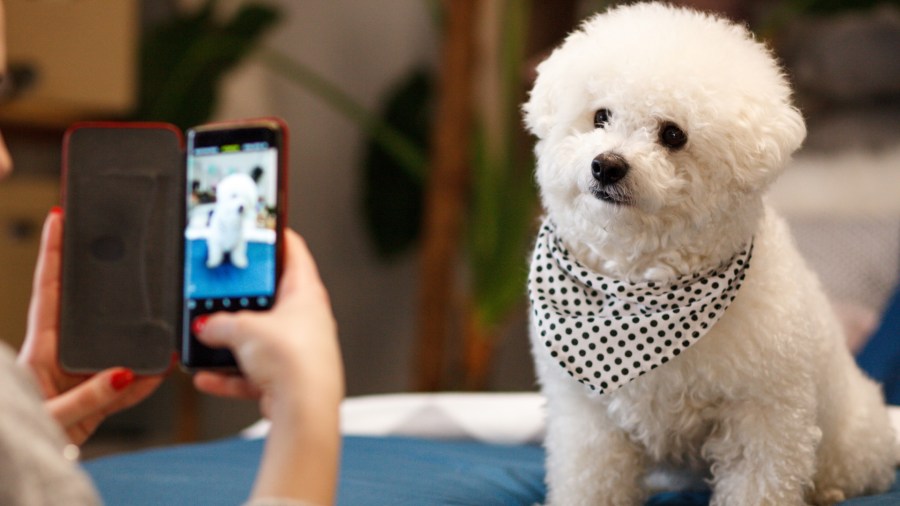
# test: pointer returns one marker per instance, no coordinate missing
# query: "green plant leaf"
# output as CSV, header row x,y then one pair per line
x,y
183,60
503,201
409,156
392,197
502,218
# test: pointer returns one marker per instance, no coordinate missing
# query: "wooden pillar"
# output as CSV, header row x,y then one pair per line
x,y
446,189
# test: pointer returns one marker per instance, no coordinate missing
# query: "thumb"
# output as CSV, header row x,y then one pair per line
x,y
224,330
91,397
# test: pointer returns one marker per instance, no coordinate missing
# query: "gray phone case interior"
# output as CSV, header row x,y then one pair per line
x,y
120,300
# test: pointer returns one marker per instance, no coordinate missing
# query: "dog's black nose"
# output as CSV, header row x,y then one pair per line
x,y
609,168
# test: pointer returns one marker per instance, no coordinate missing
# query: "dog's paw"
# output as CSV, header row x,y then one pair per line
x,y
827,497
240,261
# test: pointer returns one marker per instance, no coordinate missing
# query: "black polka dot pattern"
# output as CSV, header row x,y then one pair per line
x,y
606,332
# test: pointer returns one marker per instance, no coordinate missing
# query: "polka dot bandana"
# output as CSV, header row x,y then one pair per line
x,y
606,332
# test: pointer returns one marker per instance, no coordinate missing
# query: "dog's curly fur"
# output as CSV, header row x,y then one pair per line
x,y
233,216
769,406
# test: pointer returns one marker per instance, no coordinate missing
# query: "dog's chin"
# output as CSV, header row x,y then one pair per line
x,y
613,196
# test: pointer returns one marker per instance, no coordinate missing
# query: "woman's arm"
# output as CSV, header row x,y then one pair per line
x,y
291,361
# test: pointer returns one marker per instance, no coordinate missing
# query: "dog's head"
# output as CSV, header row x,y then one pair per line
x,y
236,197
650,112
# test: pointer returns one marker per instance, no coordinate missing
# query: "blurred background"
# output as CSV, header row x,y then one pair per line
x,y
410,173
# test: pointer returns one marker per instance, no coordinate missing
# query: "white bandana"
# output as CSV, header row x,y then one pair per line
x,y
606,332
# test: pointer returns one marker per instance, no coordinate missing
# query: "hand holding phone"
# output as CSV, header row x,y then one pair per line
x,y
233,236
291,361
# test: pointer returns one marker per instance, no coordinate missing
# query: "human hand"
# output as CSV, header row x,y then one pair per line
x,y
286,353
78,402
291,360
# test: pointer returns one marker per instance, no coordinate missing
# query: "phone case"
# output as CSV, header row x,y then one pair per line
x,y
123,208
195,356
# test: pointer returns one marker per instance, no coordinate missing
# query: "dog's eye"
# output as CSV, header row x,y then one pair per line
x,y
601,118
671,136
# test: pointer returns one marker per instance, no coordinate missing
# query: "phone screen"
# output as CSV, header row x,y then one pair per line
x,y
232,233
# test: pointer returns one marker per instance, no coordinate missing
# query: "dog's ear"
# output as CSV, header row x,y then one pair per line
x,y
768,134
539,111
552,97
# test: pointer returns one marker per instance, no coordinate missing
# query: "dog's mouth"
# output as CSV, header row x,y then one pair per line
x,y
611,195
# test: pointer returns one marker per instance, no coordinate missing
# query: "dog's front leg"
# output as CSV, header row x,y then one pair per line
x,y
763,454
239,255
590,462
214,254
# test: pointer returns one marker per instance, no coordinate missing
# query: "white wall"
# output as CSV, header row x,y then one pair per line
x,y
363,47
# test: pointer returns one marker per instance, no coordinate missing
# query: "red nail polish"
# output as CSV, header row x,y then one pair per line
x,y
199,324
57,210
121,379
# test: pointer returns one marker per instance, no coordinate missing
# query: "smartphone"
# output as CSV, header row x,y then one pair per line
x,y
121,194
233,235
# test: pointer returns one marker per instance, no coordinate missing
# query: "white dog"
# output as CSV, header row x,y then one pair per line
x,y
233,215
674,323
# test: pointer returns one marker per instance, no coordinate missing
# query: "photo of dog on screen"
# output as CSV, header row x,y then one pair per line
x,y
231,218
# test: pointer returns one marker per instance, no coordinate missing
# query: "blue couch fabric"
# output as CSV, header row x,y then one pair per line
x,y
375,471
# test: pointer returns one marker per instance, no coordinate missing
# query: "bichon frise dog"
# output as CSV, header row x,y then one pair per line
x,y
233,215
674,322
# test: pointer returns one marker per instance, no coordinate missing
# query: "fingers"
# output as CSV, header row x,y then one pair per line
x,y
225,385
91,397
300,276
224,330
46,274
81,409
43,310
81,431
300,269
137,391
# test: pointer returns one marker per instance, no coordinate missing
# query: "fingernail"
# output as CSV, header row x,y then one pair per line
x,y
57,210
121,379
199,324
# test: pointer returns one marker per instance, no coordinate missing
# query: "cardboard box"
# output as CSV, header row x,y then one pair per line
x,y
84,54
